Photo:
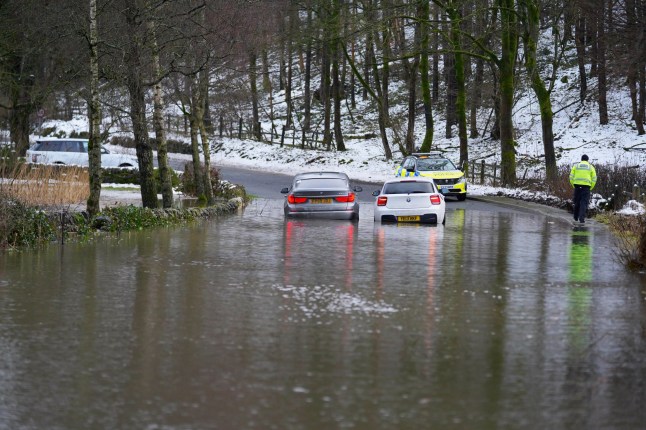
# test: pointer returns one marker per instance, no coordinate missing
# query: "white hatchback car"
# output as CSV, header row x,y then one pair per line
x,y
73,152
412,199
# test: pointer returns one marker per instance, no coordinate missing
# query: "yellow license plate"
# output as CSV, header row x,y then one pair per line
x,y
315,201
411,218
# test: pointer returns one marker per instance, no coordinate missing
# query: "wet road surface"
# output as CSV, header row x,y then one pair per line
x,y
504,318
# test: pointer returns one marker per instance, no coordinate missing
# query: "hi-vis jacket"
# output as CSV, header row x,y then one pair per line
x,y
583,173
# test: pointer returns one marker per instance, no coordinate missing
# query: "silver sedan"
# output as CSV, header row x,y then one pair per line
x,y
321,195
410,200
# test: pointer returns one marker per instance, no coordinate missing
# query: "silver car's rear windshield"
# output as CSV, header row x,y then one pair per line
x,y
434,164
321,183
408,188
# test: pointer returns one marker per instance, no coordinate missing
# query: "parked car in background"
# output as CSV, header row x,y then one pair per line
x,y
414,199
449,179
321,195
70,151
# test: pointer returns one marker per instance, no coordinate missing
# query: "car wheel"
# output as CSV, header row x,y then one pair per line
x,y
462,197
444,220
126,165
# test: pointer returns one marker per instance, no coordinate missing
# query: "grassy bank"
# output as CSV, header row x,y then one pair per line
x,y
38,205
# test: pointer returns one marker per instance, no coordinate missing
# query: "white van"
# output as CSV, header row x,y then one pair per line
x,y
51,150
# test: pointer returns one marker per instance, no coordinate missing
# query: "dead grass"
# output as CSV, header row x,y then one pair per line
x,y
630,234
46,186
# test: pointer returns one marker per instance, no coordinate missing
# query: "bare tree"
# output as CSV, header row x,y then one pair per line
x,y
94,144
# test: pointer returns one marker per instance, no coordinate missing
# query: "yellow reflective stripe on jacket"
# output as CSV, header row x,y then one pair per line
x,y
583,173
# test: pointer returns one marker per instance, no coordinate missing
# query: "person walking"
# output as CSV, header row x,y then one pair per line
x,y
583,178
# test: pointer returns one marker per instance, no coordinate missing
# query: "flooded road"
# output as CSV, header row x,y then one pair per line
x,y
502,319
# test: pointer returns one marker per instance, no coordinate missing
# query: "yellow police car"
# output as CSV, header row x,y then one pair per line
x,y
449,179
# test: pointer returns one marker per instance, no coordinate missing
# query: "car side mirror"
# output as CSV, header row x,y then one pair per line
x,y
375,193
284,190
357,189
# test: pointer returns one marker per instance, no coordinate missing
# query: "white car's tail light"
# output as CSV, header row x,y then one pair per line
x,y
435,199
382,200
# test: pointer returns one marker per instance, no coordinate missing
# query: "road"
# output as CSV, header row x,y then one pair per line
x,y
267,185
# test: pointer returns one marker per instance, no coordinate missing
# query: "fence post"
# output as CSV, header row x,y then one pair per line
x,y
482,172
636,193
240,128
221,126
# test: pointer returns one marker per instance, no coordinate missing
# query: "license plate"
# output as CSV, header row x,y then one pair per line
x,y
319,201
444,190
409,218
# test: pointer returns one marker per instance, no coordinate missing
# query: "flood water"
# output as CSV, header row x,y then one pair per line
x,y
499,320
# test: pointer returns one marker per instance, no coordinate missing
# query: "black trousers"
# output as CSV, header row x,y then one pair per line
x,y
581,199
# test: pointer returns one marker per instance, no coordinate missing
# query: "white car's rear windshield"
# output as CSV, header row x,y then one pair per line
x,y
408,188
60,146
321,183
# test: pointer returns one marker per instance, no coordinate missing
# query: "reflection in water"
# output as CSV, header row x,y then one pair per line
x,y
579,294
496,320
311,245
581,255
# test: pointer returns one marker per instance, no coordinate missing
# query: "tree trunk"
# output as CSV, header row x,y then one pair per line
x,y
384,115
307,99
476,98
195,153
412,98
641,112
449,108
158,120
142,141
423,15
20,108
288,85
203,90
411,77
530,39
382,119
507,65
579,35
601,64
385,53
436,60
636,34
94,144
325,96
253,66
137,95
336,84
460,87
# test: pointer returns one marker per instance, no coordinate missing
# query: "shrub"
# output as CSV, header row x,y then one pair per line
x,y
125,141
22,226
130,217
221,189
177,147
630,233
174,146
80,134
131,176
